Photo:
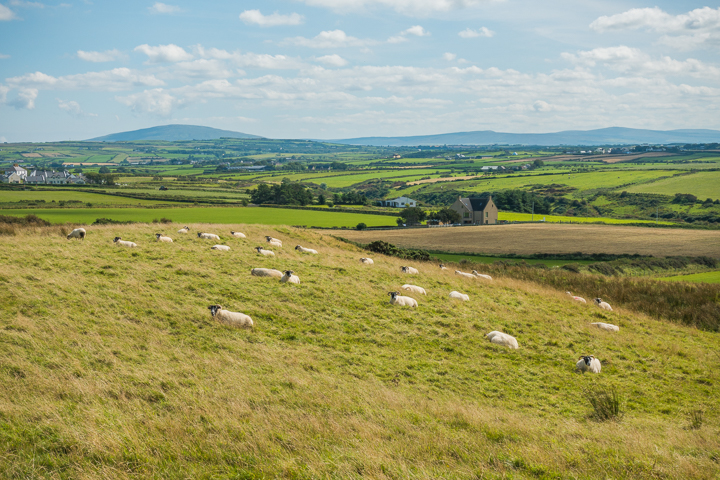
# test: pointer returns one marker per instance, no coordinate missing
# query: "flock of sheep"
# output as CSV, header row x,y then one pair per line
x,y
584,364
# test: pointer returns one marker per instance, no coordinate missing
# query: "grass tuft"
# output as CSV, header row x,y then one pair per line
x,y
606,403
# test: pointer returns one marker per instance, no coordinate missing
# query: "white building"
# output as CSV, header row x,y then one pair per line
x,y
18,170
400,202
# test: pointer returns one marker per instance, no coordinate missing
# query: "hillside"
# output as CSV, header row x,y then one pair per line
x,y
603,136
172,133
113,368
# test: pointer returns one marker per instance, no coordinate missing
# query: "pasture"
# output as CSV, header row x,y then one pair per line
x,y
705,277
702,184
70,194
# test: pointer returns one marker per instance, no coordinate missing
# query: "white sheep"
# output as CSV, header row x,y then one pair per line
x,y
123,243
414,289
77,233
273,241
397,299
504,339
223,248
237,234
466,275
459,296
606,326
367,261
603,305
588,364
208,236
410,270
305,250
266,272
227,317
267,253
577,299
184,230
481,275
289,277
162,238
442,266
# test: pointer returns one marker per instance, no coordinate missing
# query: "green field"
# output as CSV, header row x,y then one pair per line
x,y
527,217
457,257
67,194
707,277
703,185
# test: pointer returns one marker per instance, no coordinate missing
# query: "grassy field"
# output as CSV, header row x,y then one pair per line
x,y
69,194
551,238
527,217
113,368
226,215
706,277
458,257
703,185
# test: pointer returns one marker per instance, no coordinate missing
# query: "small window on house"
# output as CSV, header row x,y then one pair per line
x,y
466,215
486,214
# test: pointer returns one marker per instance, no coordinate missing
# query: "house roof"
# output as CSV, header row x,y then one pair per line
x,y
475,204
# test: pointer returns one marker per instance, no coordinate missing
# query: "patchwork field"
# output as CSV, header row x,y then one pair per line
x,y
49,196
706,277
551,238
703,185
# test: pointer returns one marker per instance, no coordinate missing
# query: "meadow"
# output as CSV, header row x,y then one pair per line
x,y
68,194
705,277
113,368
703,185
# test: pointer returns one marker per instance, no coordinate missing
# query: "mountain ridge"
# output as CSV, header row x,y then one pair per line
x,y
172,133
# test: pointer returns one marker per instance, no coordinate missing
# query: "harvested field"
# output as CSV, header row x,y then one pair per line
x,y
551,238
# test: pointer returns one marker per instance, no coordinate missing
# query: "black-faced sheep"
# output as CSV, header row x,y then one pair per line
x,y
442,266
123,243
367,261
465,275
266,272
162,238
273,241
414,289
290,278
459,296
603,305
267,253
222,248
227,317
184,230
306,250
409,270
588,364
606,326
504,339
397,299
237,234
208,236
78,233
481,275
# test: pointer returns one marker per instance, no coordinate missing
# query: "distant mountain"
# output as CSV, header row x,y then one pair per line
x,y
172,133
603,136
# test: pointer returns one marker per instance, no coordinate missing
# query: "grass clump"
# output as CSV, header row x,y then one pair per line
x,y
606,403
696,418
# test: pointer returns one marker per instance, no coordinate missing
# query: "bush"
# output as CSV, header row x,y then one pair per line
x,y
605,404
361,226
391,250
109,221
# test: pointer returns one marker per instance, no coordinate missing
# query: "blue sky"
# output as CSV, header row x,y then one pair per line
x,y
349,68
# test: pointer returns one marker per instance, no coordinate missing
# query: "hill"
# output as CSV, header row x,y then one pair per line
x,y
172,133
604,136
113,368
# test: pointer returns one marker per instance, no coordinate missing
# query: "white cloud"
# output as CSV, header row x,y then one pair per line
x,y
328,39
3,56
333,60
481,32
106,56
417,30
163,8
156,102
250,60
409,7
108,80
254,17
164,53
449,56
73,108
19,3
25,99
6,14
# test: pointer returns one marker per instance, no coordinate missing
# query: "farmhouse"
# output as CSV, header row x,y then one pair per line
x,y
18,170
11,178
476,211
400,202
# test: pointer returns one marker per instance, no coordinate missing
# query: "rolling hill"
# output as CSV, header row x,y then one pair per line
x,y
172,133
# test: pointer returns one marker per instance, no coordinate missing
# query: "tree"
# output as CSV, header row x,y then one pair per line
x,y
538,163
321,199
413,215
104,169
446,215
361,226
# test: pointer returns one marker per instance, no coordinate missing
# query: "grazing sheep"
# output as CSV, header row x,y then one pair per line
x,y
603,305
397,299
578,299
504,339
459,296
289,277
273,241
305,250
123,243
442,266
414,289
77,233
606,326
208,236
227,317
466,275
267,253
266,272
410,270
588,364
184,230
162,238
237,234
223,248
367,261
481,275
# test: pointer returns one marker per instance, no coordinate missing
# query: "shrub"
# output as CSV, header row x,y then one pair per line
x,y
109,221
571,267
361,226
391,250
605,404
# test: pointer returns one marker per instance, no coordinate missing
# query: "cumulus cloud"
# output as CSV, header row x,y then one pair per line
x,y
333,60
73,108
163,8
6,14
254,17
481,32
408,7
19,3
97,57
328,39
449,56
416,30
25,99
109,80
156,101
250,60
164,53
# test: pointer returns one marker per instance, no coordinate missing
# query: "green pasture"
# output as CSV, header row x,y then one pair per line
x,y
66,195
703,185
527,217
706,277
220,193
457,257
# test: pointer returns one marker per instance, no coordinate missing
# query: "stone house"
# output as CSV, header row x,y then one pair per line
x,y
476,211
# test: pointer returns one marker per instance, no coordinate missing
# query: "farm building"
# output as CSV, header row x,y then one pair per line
x,y
11,178
400,202
18,170
476,211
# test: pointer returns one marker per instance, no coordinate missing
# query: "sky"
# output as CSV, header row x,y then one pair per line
x,y
332,69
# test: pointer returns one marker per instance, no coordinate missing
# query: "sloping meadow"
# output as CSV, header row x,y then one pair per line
x,y
112,367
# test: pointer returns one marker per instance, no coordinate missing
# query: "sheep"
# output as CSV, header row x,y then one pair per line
x,y
367,261
481,275
606,326
266,272
504,339
459,296
588,364
442,266
123,243
273,241
223,248
237,234
409,270
289,277
208,236
603,305
184,230
466,275
397,299
579,299
414,289
305,250
227,317
267,253
77,233
162,238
